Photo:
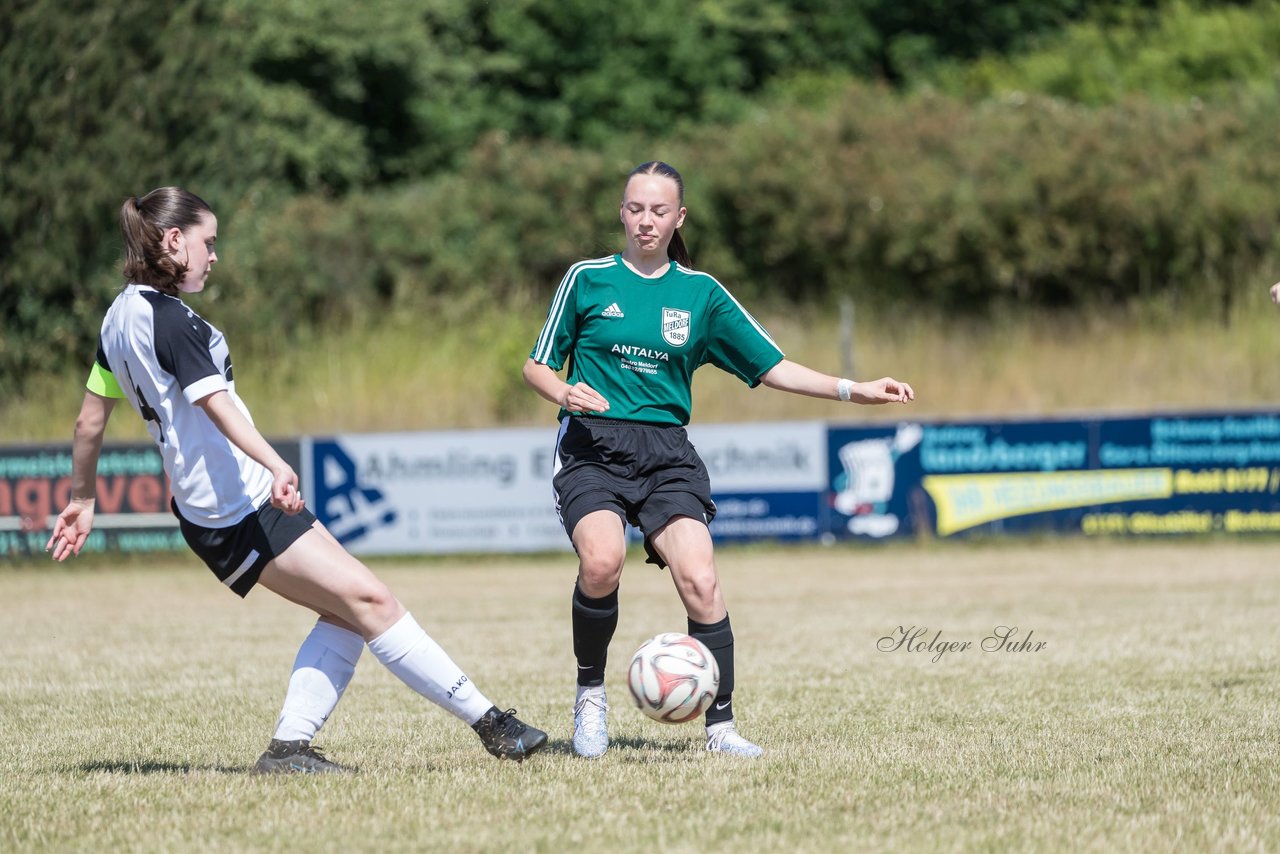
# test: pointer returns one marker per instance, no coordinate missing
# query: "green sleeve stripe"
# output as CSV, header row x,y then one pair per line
x,y
103,383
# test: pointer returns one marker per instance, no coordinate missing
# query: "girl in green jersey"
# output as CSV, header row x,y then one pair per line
x,y
632,329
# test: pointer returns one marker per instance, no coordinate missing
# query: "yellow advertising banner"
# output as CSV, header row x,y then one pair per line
x,y
966,500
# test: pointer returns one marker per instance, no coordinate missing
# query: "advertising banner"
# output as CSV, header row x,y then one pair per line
x,y
1175,474
767,480
435,493
490,490
131,513
1213,473
132,509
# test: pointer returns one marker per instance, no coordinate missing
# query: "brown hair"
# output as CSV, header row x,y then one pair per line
x,y
676,250
144,221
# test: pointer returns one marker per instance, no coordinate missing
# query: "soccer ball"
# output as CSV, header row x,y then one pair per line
x,y
673,678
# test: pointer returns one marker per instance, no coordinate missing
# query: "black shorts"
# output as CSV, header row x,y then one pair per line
x,y
237,554
646,473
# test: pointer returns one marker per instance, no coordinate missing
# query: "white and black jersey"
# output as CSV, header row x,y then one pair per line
x,y
163,357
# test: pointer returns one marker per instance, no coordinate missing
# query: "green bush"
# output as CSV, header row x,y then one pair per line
x,y
1181,51
1025,201
919,201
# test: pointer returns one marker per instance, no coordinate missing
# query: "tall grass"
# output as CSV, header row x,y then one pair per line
x,y
462,369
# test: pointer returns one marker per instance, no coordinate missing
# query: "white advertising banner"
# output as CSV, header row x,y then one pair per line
x,y
430,493
777,456
490,490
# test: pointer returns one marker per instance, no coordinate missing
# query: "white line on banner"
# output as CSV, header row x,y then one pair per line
x,y
105,521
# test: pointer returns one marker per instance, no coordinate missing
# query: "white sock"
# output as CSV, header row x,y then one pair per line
x,y
324,665
594,690
410,653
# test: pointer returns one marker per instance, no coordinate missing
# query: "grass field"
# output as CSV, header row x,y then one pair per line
x,y
133,699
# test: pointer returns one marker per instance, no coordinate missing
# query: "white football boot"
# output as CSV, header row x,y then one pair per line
x,y
590,730
724,738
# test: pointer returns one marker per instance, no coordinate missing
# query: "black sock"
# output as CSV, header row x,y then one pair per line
x,y
718,638
594,621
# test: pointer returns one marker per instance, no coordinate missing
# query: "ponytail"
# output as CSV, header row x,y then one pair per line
x,y
676,249
143,223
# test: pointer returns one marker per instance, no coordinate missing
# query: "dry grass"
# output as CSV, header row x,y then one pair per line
x,y
134,697
441,372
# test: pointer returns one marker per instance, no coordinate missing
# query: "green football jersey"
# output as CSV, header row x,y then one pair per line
x,y
637,341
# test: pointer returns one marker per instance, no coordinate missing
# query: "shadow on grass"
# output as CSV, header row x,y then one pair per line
x,y
646,747
561,746
139,767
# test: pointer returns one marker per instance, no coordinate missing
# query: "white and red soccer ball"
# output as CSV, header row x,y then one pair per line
x,y
673,678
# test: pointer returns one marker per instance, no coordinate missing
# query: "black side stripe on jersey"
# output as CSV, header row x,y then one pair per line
x,y
101,357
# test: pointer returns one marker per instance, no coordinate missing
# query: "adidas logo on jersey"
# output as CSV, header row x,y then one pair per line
x,y
612,311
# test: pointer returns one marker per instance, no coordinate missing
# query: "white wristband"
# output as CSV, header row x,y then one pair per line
x,y
844,389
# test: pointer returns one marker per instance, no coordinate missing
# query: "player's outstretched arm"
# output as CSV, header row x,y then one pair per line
x,y
1275,292
76,520
233,424
797,379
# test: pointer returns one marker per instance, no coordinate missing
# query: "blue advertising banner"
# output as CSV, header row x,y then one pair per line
x,y
875,474
1175,474
767,479
1218,473
786,516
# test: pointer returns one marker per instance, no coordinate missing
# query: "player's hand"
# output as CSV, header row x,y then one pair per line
x,y
284,491
1275,293
583,398
72,529
883,390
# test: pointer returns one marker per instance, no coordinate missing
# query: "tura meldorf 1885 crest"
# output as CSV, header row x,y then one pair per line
x,y
675,326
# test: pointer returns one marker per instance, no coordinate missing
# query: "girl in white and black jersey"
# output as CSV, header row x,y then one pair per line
x,y
237,500
631,330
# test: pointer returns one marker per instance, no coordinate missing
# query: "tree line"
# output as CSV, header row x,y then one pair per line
x,y
408,152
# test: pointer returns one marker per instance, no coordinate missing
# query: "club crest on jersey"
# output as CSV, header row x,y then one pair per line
x,y
675,326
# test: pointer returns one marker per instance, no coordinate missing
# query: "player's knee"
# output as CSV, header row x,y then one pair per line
x,y
600,567
375,601
702,589
599,581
